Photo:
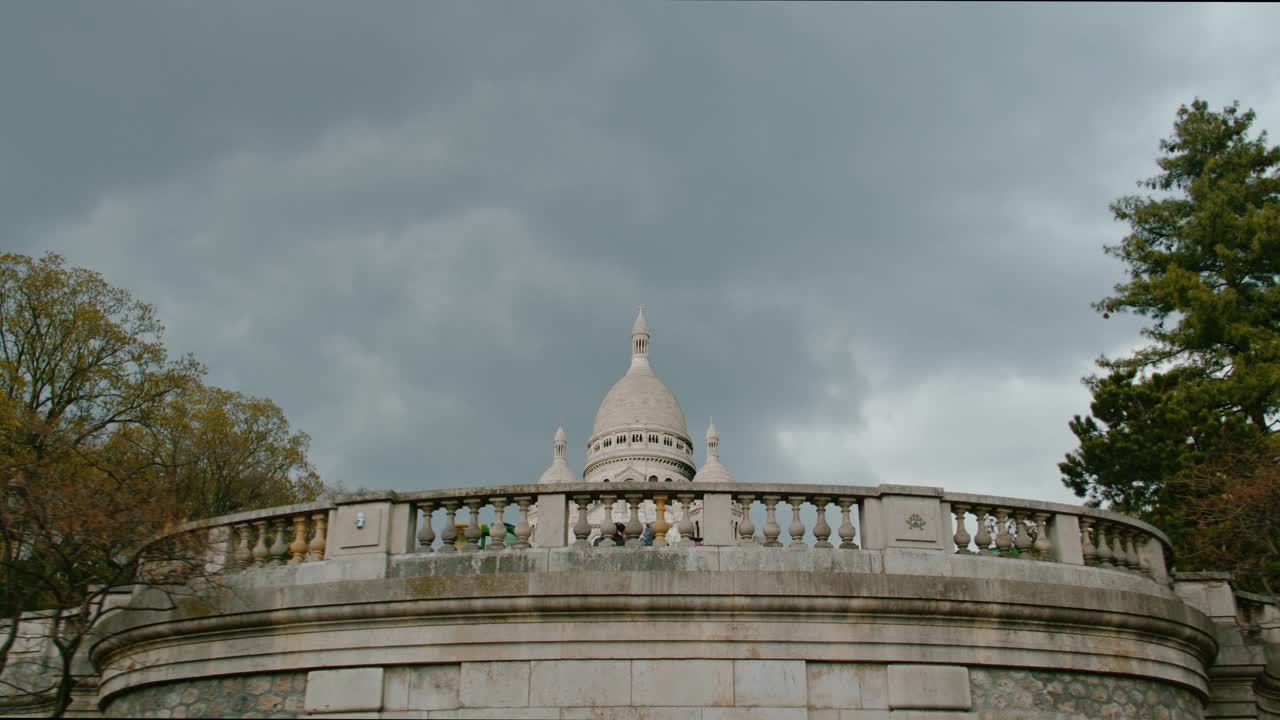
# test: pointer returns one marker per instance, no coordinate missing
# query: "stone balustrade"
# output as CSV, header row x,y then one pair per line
x,y
390,602
771,516
288,535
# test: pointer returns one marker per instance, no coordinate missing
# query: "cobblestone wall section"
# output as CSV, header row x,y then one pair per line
x,y
275,695
1015,694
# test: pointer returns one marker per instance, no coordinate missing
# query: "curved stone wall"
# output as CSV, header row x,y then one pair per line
x,y
742,627
266,695
1006,694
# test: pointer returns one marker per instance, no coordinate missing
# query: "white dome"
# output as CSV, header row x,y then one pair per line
x,y
640,399
713,471
639,428
558,472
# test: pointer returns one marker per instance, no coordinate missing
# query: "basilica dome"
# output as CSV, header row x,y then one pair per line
x,y
639,431
640,399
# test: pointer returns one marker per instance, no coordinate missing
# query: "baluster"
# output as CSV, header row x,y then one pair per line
x,y
260,551
498,543
523,531
746,531
983,537
581,527
449,538
847,531
1044,546
298,548
821,530
1121,534
1086,542
319,536
426,533
1104,546
796,531
473,525
244,545
1022,540
278,545
660,525
1003,540
771,527
685,526
1118,558
608,528
634,527
961,538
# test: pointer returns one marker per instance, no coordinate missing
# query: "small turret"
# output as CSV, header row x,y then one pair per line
x,y
559,470
712,470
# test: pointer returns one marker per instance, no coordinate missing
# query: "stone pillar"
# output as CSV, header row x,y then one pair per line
x,y
1153,558
870,511
1064,533
363,524
553,520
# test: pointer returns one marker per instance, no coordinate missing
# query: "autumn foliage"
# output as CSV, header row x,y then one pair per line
x,y
107,446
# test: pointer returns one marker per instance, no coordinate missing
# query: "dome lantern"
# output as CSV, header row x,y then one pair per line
x,y
640,339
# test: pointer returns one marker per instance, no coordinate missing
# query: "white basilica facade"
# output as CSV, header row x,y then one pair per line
x,y
639,436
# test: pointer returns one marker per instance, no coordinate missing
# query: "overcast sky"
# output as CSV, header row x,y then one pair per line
x,y
866,237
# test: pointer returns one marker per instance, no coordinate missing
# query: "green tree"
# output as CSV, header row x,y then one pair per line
x,y
107,445
1203,262
223,452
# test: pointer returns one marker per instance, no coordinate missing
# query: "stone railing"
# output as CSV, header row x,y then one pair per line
x,y
795,517
286,535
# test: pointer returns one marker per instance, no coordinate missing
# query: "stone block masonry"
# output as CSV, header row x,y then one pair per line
x,y
269,695
1006,694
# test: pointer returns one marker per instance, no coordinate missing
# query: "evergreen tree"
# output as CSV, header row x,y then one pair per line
x,y
1203,263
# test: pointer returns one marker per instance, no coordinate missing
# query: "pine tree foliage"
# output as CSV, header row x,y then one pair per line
x,y
1202,258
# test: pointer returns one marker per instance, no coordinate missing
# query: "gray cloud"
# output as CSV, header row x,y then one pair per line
x,y
867,237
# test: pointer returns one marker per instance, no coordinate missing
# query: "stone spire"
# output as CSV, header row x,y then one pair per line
x,y
640,340
712,470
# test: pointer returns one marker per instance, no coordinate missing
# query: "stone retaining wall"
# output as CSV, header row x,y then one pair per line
x,y
274,695
705,689
1000,694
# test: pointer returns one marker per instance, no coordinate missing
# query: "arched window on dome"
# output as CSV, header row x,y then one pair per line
x,y
668,480
637,437
605,480
653,438
653,478
622,439
668,441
